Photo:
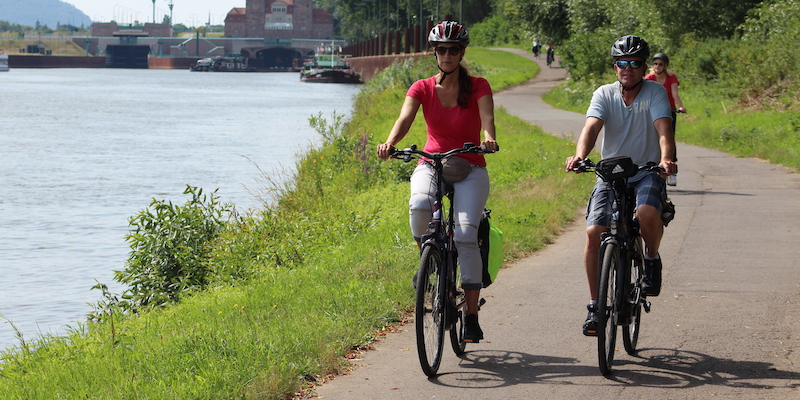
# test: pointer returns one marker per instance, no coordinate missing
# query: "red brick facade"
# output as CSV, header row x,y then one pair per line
x,y
149,29
279,19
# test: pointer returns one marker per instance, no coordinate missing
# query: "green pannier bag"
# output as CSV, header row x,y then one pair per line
x,y
490,241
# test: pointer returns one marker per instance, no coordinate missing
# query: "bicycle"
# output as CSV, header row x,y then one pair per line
x,y
620,285
440,302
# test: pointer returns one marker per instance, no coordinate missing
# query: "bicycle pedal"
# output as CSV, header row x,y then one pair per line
x,y
647,306
481,302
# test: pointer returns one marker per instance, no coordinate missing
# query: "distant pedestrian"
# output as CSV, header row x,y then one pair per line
x,y
551,54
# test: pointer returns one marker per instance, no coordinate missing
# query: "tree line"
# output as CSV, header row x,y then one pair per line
x,y
747,45
14,28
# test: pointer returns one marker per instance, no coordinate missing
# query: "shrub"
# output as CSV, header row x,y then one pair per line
x,y
170,245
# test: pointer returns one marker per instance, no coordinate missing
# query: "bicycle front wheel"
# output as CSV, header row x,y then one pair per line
x,y
430,307
607,306
630,331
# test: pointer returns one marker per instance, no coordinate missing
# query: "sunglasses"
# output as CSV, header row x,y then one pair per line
x,y
454,51
624,64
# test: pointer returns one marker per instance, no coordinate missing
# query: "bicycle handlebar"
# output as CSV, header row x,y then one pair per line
x,y
408,154
587,165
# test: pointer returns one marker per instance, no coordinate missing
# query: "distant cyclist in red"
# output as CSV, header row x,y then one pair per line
x,y
458,108
661,74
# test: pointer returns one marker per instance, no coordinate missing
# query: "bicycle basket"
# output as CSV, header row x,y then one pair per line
x,y
614,168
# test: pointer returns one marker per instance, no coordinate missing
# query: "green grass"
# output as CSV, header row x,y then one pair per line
x,y
719,123
714,120
319,271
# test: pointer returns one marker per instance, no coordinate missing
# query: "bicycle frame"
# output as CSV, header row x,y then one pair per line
x,y
442,237
441,308
624,233
621,265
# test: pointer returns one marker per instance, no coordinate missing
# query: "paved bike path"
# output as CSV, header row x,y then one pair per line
x,y
727,323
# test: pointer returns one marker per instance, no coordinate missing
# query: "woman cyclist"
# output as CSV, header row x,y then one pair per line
x,y
456,107
669,80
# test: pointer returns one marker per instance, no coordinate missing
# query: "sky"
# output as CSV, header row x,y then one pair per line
x,y
187,12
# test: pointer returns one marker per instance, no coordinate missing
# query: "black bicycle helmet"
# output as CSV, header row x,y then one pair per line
x,y
661,56
630,46
449,32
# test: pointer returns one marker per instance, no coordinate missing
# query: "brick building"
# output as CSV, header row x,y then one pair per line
x,y
279,19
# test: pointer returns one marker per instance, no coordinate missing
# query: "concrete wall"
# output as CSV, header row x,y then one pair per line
x,y
26,61
368,67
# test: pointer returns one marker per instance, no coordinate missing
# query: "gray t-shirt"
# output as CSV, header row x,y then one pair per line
x,y
629,130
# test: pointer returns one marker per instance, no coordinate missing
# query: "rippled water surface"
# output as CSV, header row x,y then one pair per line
x,y
82,150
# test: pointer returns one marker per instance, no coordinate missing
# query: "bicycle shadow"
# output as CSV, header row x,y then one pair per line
x,y
685,369
498,368
662,368
672,191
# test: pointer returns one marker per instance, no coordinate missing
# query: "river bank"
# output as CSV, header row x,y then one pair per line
x,y
83,150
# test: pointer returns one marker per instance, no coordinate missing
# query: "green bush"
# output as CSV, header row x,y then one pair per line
x,y
587,56
497,30
170,245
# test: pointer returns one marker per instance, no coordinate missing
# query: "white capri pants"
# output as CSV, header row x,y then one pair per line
x,y
469,199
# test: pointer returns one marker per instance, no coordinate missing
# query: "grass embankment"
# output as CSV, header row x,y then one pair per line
x,y
319,271
716,119
9,44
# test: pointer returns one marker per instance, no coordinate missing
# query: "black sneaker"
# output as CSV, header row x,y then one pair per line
x,y
590,325
472,331
652,276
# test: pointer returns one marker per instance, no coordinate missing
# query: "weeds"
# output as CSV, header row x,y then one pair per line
x,y
169,251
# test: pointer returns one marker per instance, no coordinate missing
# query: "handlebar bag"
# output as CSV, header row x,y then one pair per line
x,y
615,168
455,169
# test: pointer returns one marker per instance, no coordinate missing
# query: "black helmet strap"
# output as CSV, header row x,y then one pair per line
x,y
627,89
445,73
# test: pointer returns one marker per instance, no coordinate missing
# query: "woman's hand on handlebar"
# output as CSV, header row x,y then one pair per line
x,y
385,151
490,146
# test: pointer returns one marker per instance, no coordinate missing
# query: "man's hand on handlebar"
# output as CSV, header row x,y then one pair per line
x,y
571,163
669,166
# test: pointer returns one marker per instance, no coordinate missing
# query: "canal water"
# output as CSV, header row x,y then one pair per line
x,y
82,150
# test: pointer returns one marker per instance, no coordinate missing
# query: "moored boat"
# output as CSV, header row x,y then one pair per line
x,y
3,62
226,63
327,67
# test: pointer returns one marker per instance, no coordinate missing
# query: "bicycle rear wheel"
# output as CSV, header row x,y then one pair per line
x,y
630,331
430,307
457,314
607,306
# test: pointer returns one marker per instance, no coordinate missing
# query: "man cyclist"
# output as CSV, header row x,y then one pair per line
x,y
637,118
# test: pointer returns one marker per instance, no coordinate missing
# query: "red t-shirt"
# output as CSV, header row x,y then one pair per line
x,y
450,128
667,85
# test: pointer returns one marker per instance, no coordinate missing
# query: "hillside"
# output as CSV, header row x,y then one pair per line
x,y
46,12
